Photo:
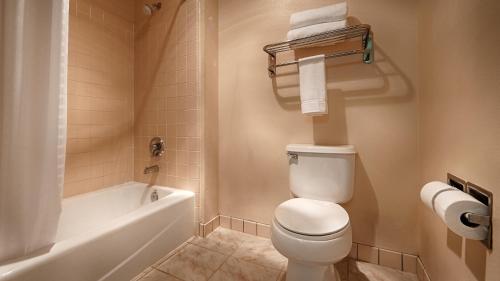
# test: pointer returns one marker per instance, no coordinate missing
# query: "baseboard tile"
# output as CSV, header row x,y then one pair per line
x,y
241,225
205,229
421,271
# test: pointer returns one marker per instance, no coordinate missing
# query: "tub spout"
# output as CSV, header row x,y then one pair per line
x,y
151,169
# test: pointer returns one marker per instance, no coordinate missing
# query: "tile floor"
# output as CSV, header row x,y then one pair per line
x,y
228,255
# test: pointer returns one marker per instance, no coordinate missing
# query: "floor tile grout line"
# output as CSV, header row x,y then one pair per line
x,y
259,265
241,244
218,268
171,255
175,277
166,273
254,263
162,271
241,260
227,257
212,250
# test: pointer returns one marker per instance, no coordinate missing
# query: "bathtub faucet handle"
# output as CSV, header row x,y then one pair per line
x,y
157,147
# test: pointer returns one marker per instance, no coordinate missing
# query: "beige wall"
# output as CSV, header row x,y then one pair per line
x,y
373,107
167,94
100,95
210,98
460,125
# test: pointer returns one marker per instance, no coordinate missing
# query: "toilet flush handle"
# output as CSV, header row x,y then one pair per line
x,y
294,156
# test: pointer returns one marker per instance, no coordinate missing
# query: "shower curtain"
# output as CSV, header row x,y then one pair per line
x,y
33,75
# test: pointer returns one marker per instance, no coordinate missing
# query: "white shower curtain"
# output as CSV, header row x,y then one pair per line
x,y
33,75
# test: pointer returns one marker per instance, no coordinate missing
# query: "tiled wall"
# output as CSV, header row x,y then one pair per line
x,y
100,95
168,95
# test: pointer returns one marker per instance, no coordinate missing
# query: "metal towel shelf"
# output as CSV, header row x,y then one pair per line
x,y
324,39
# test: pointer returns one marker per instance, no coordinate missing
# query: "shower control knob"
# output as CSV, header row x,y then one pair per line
x,y
157,147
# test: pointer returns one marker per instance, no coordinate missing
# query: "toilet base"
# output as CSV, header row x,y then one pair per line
x,y
300,271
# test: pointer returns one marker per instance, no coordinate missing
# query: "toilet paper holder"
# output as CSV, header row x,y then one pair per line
x,y
486,197
477,219
482,195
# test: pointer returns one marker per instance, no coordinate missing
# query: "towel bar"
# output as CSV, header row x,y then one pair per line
x,y
329,38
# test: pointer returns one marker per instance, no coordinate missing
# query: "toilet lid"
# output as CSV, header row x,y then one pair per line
x,y
311,217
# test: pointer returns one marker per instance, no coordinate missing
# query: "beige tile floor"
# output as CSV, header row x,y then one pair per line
x,y
227,255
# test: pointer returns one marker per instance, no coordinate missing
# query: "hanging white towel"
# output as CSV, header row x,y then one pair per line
x,y
313,96
314,29
332,13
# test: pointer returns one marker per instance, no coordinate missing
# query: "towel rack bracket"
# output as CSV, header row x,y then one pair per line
x,y
272,65
369,52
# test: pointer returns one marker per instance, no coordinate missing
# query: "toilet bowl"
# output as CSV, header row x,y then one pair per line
x,y
312,230
313,235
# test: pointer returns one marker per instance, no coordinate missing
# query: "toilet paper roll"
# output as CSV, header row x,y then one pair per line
x,y
431,190
450,205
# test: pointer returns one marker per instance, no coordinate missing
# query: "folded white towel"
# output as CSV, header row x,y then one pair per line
x,y
315,29
336,12
312,79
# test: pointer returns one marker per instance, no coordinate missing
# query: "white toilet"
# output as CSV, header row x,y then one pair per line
x,y
312,230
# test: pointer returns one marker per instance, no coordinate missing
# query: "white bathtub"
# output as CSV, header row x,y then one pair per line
x,y
110,234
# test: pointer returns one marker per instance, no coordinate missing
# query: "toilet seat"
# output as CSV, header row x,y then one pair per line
x,y
320,250
311,219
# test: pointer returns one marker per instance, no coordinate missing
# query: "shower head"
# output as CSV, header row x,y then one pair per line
x,y
149,9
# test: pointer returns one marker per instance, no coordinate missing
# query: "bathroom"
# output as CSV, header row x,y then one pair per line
x,y
166,140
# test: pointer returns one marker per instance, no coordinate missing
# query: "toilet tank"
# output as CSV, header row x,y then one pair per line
x,y
322,172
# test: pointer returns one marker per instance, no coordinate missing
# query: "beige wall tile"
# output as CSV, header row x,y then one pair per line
x,y
250,227
237,224
216,222
263,230
390,259
225,221
410,263
208,228
368,253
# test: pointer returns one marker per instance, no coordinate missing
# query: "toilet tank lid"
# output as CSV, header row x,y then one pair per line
x,y
310,148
